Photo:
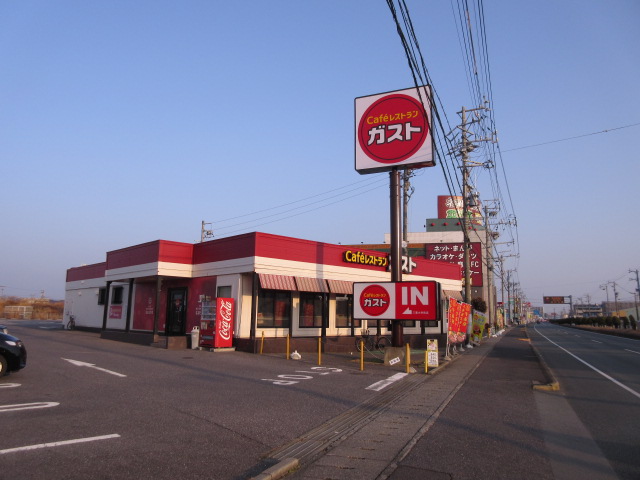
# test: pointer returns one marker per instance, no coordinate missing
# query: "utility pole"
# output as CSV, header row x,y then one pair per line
x,y
509,315
615,297
606,288
489,262
636,297
465,147
407,191
206,233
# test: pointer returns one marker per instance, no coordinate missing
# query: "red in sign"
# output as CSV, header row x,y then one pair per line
x,y
374,300
393,129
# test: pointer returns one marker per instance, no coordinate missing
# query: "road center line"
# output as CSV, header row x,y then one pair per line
x,y
58,444
630,390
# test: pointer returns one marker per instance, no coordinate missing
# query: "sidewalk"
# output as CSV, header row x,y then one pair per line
x,y
401,417
478,417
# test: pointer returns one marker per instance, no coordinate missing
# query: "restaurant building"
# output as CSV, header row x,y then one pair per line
x,y
155,293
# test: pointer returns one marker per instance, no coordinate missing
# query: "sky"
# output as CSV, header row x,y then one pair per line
x,y
126,122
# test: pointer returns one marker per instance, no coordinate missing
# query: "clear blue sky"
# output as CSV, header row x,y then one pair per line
x,y
123,122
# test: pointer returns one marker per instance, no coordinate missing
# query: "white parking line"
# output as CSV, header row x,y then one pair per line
x,y
58,444
27,406
385,383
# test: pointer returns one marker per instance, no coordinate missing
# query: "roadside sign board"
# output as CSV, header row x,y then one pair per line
x,y
432,353
396,301
394,130
554,300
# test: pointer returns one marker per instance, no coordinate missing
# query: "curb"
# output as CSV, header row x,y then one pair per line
x,y
279,470
553,384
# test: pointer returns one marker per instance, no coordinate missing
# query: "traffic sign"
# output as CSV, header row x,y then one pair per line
x,y
397,301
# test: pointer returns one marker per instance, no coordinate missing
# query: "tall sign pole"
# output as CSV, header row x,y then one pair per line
x,y
393,133
397,333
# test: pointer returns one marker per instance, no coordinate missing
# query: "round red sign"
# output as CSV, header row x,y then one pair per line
x,y
393,128
374,300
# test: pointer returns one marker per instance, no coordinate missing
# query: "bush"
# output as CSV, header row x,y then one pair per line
x,y
479,304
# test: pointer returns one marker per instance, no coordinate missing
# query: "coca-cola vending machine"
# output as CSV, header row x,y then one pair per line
x,y
224,323
216,329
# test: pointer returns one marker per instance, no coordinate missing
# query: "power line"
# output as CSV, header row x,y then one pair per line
x,y
573,138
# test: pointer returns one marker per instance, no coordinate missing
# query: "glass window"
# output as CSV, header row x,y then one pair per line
x,y
311,309
102,296
224,291
116,296
344,310
274,309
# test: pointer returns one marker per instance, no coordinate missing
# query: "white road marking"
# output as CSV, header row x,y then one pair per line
x,y
58,444
9,385
27,406
595,341
630,390
385,383
78,363
632,351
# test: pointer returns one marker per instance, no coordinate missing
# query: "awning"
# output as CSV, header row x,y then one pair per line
x,y
454,294
277,282
341,286
306,284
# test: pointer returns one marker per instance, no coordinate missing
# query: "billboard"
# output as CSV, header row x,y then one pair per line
x,y
454,253
451,207
393,129
554,300
396,301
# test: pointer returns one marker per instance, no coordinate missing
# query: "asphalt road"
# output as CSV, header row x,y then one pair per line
x,y
91,408
599,377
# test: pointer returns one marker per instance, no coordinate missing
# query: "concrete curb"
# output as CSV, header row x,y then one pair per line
x,y
553,384
279,470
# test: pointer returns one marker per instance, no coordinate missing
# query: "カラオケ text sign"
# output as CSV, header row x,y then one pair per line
x,y
396,300
394,130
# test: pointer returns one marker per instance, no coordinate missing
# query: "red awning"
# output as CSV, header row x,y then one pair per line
x,y
341,286
306,284
277,282
454,294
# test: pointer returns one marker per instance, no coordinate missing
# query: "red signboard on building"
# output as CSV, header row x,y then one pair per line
x,y
396,301
454,253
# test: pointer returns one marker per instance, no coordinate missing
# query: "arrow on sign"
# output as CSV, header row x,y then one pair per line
x,y
92,365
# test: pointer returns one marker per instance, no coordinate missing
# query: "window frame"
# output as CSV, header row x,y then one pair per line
x,y
351,323
117,295
102,295
318,301
273,296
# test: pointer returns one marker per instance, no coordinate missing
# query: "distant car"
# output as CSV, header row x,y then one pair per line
x,y
13,354
3,329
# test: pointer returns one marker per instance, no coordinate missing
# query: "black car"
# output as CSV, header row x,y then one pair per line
x,y
13,354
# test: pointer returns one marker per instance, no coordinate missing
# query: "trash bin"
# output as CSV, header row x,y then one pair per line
x,y
195,338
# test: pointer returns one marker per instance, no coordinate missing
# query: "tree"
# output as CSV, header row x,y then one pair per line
x,y
479,304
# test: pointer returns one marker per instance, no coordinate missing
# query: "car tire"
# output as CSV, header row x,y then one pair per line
x,y
4,367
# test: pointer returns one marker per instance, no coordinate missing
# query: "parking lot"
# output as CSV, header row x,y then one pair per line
x,y
84,406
